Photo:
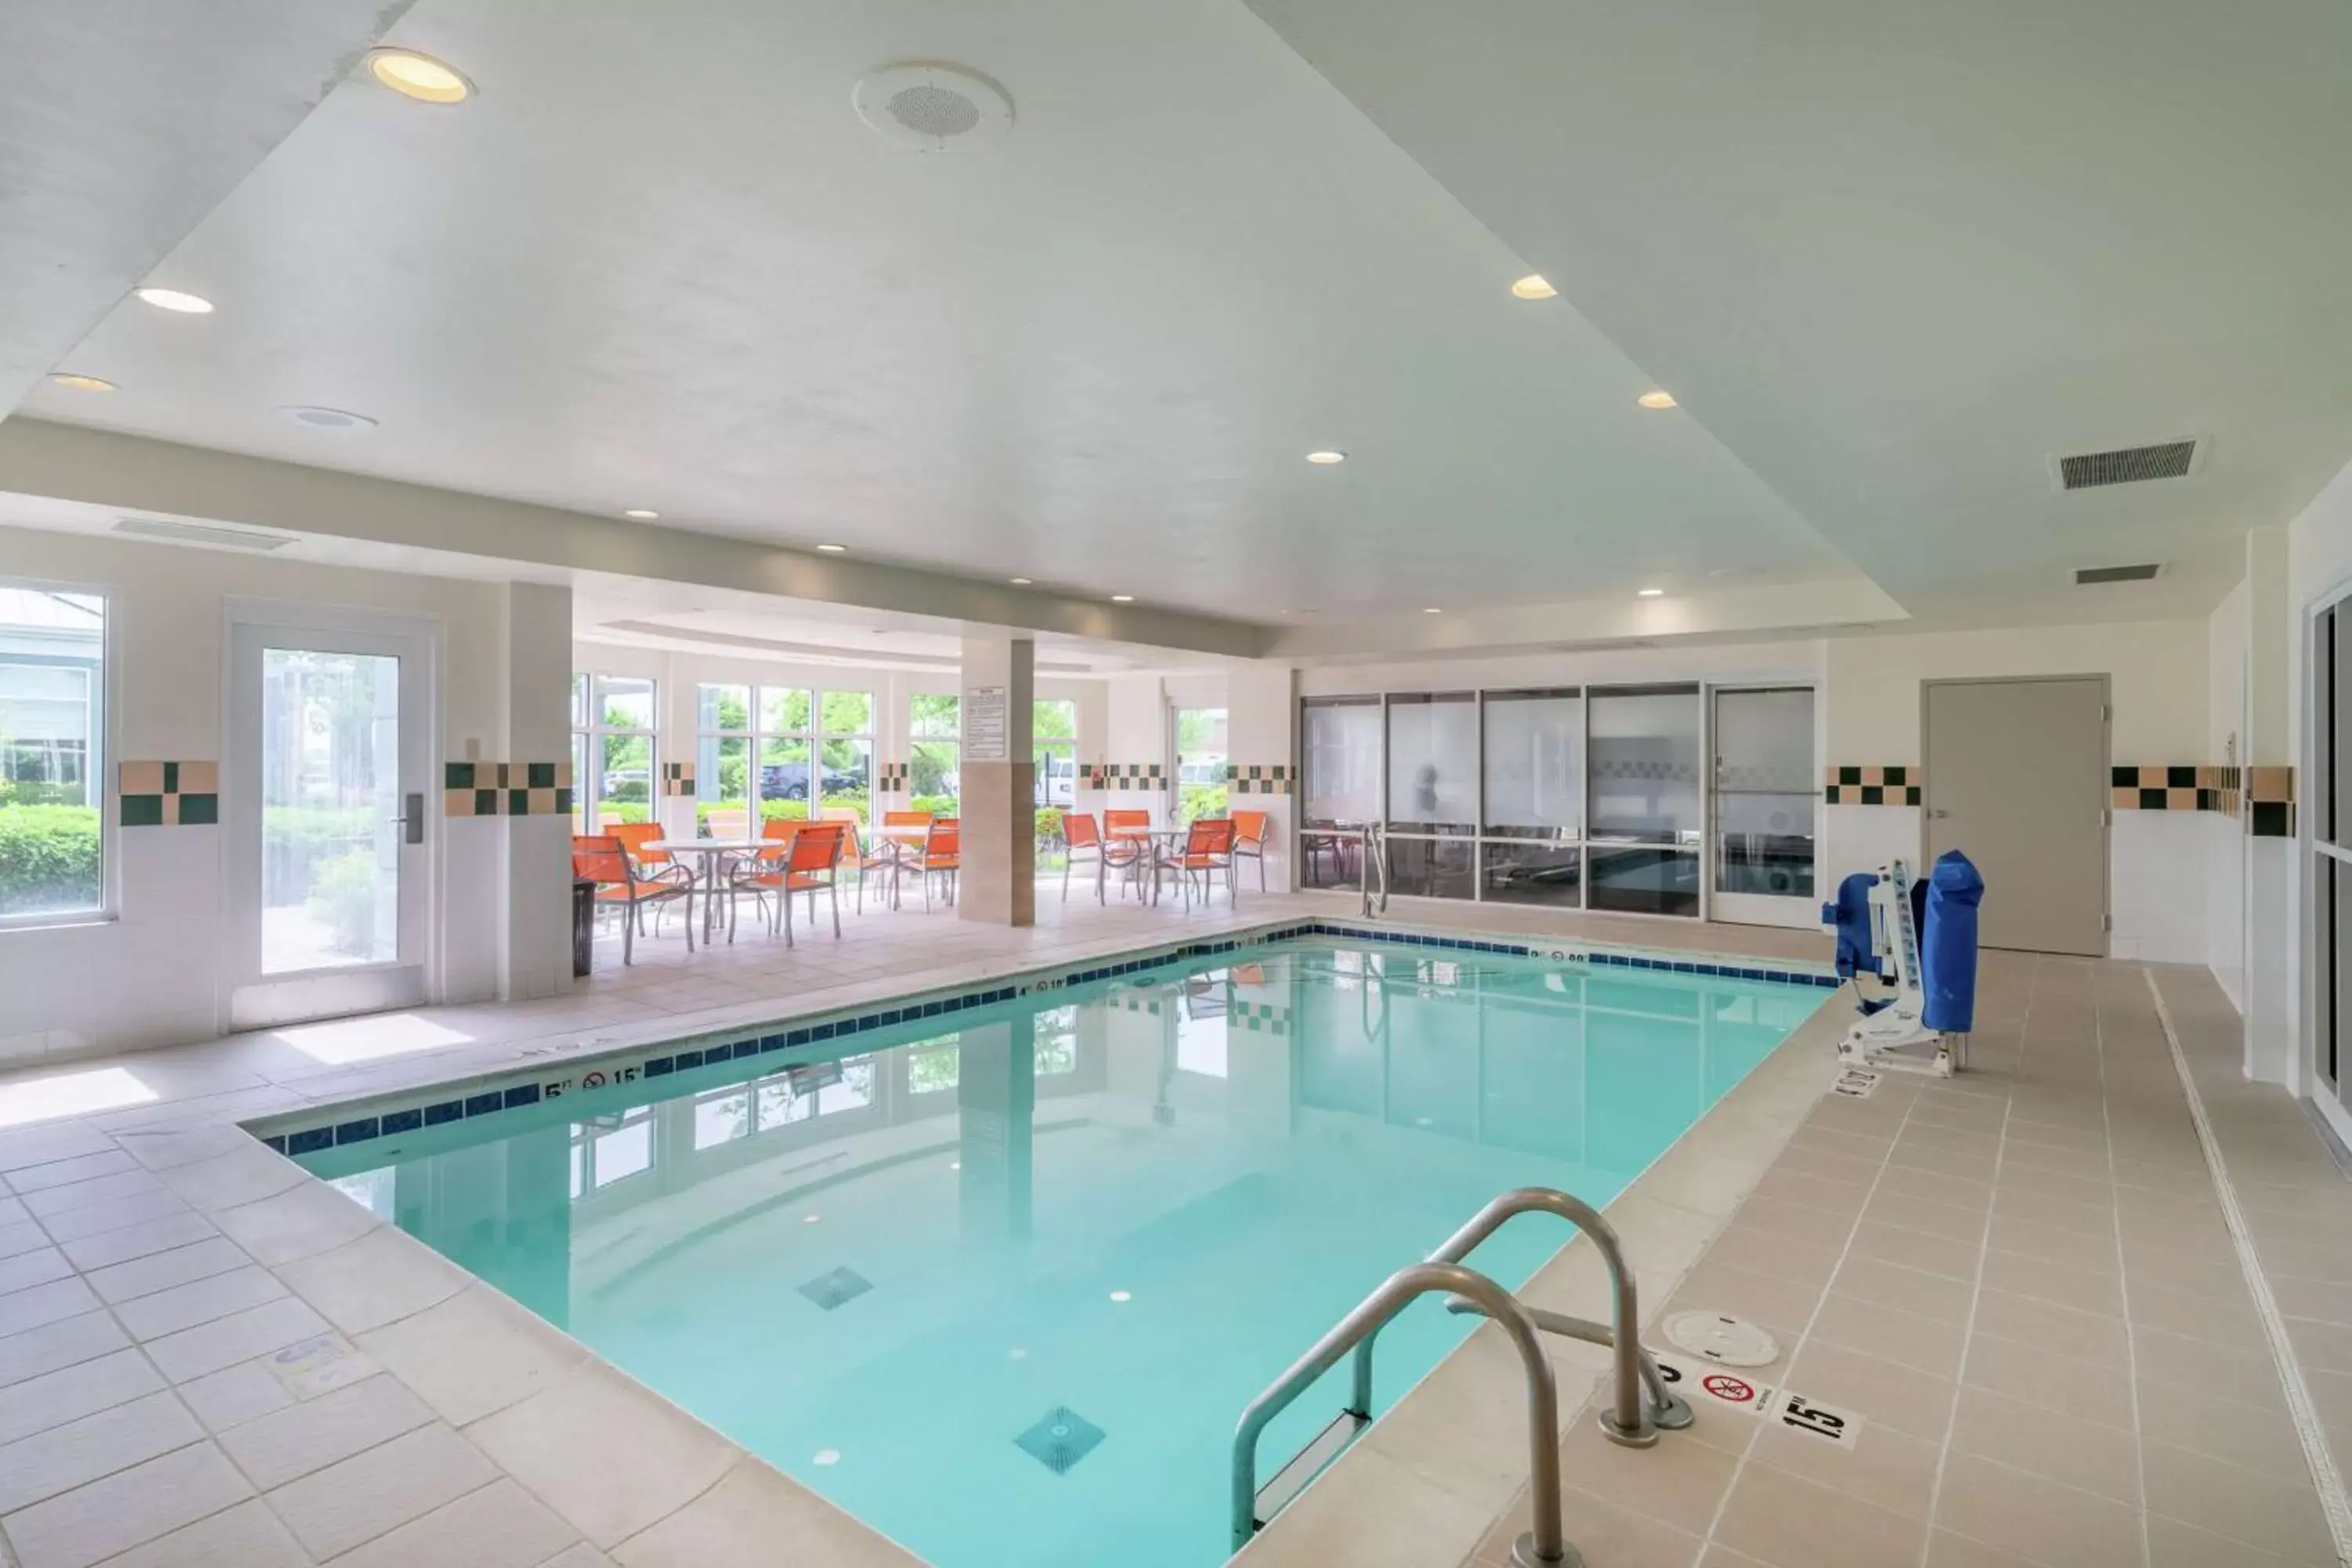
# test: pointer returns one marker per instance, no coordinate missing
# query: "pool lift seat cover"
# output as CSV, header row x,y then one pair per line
x,y
1919,1027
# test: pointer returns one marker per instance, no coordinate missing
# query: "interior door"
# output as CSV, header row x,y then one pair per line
x,y
326,786
2017,780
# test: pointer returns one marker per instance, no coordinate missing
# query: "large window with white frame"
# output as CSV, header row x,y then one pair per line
x,y
54,836
934,748
615,769
766,753
1575,798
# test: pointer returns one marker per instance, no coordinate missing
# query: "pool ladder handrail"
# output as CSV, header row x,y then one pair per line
x,y
1635,1374
1374,839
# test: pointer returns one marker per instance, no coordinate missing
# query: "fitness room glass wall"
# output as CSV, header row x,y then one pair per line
x,y
1596,797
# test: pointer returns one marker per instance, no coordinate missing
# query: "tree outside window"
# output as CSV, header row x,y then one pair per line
x,y
1200,758
933,776
53,835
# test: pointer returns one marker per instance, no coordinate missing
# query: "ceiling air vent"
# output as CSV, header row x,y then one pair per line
x,y
198,533
2129,464
2086,575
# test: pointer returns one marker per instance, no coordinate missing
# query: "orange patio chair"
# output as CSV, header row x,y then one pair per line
x,y
1208,849
1249,841
942,857
599,857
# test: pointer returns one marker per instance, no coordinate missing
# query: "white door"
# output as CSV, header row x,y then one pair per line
x,y
326,787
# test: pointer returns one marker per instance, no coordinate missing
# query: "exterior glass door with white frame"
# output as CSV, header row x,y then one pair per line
x,y
2328,879
326,790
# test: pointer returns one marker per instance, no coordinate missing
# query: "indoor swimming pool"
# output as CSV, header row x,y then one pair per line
x,y
1000,1280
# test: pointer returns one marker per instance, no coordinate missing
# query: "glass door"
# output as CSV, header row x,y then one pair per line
x,y
327,792
1766,798
2328,871
1644,799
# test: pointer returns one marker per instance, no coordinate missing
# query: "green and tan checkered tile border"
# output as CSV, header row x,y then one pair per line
x,y
506,789
169,794
678,780
1123,776
894,777
1873,784
1259,1018
2266,795
1258,778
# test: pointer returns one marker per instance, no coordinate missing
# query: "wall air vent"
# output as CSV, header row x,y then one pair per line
x,y
2086,575
200,534
2129,464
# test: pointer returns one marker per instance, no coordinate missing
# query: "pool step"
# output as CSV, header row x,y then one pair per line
x,y
1307,1464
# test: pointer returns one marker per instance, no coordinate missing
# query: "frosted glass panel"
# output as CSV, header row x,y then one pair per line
x,y
1764,792
1535,763
329,803
1645,766
1434,763
1340,744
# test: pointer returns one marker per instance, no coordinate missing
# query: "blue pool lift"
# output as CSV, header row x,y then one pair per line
x,y
1918,941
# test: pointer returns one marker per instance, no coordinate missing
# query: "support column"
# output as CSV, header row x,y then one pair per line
x,y
997,785
535,648
2274,943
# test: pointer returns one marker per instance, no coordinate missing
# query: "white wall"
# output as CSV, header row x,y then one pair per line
x,y
156,970
2225,841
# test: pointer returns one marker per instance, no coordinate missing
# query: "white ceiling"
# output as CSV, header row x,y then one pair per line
x,y
659,261
1892,255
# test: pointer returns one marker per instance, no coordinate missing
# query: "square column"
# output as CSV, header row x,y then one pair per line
x,y
998,789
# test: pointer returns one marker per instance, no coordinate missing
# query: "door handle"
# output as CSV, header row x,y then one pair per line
x,y
1938,811
411,818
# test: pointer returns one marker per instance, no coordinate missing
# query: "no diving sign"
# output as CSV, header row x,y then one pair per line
x,y
1781,1406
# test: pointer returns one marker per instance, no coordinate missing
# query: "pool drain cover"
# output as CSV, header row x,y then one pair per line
x,y
830,1290
1060,1439
1727,1341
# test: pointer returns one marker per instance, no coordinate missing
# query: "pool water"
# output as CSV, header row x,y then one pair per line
x,y
1003,1291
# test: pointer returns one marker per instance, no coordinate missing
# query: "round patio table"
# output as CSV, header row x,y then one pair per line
x,y
712,853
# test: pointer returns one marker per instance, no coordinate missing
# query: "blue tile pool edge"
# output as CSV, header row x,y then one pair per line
x,y
367,1117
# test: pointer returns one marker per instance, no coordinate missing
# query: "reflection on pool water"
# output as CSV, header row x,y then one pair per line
x,y
1003,1291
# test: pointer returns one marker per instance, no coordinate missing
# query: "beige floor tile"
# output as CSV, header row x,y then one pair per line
x,y
2320,1347
1965,1164
2320,1300
1908,1213
223,1399
1945,1549
474,1353
37,1404
2275,1514
383,1276
1821,1165
1868,1151
1797,1222
1881,1392
1836,1197
499,1526
2331,1261
1911,1290
2225,1320
2048,1443
2022,1198
1680,1483
2085,1164
2036,1518
38,1306
2038,1376
198,1301
1900,1182
1789,1522
359,1499
2088,1336
556,1443
191,1353
77,1452
246,1536
127,1509
1930,1344
2173,1545
1916,1249
2225,1429
289,1444
1744,1246
61,1344
2085,1289
1882,1465
138,1239
162,1270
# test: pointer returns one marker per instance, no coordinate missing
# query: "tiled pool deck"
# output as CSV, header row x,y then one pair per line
x,y
206,1356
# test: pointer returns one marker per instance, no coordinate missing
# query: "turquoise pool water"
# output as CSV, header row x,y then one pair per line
x,y
1002,1291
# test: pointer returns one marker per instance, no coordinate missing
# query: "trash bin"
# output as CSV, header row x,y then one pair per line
x,y
584,924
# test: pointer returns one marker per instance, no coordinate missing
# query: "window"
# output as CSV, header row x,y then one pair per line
x,y
1340,748
2329,788
932,781
613,751
722,760
609,1148
1432,747
1534,798
846,753
1054,1038
934,1065
1053,726
53,835
761,749
1764,792
1201,757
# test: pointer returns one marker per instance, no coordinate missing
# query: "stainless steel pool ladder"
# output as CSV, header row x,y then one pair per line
x,y
1374,846
1636,1376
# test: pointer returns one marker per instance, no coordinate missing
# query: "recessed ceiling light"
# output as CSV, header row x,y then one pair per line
x,y
641,514
1432,610
1533,287
174,300
1327,459
1652,593
1656,400
1018,581
827,1457
1120,1296
81,383
1122,598
420,76
312,417
811,1218
834,549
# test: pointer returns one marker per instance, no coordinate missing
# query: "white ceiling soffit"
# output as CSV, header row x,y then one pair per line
x,y
122,123
1895,254
659,261
43,464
